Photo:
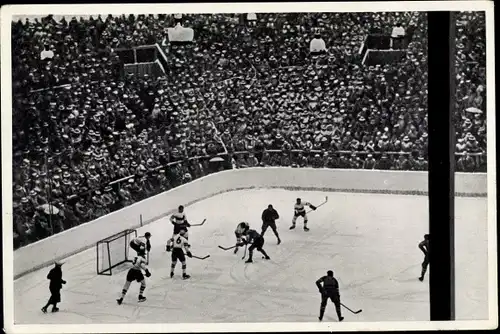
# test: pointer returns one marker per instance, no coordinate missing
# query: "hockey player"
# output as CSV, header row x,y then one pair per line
x,y
135,274
178,244
424,247
300,211
55,286
329,290
240,230
256,240
179,220
141,244
269,216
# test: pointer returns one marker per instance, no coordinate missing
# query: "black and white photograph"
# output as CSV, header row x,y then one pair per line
x,y
248,167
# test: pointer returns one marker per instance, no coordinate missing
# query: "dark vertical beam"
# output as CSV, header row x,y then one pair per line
x,y
441,53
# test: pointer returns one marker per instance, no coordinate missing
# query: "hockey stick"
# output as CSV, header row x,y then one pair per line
x,y
201,258
203,222
354,312
326,200
227,248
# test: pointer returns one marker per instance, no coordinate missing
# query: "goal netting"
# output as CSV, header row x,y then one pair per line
x,y
113,251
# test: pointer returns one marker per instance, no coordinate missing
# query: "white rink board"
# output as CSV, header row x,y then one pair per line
x,y
72,241
369,240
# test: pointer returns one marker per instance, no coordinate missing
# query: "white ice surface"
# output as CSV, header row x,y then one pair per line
x,y
370,241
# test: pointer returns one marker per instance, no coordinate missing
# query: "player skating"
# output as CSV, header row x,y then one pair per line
x,y
180,222
269,216
300,211
135,274
256,241
240,230
329,290
55,286
178,244
424,247
141,244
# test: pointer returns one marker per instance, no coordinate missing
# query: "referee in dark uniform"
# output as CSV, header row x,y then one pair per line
x,y
55,286
269,216
329,290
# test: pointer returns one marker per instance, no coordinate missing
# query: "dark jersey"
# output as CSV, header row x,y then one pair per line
x,y
330,284
252,235
424,246
270,215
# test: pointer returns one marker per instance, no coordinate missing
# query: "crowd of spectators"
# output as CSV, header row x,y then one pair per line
x,y
246,90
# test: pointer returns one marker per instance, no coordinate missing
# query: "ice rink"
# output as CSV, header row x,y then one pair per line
x,y
369,240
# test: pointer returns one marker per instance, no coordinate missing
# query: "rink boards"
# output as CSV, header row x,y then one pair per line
x,y
369,240
75,240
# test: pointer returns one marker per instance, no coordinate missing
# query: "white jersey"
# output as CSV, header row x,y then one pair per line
x,y
139,263
178,218
140,241
179,241
300,208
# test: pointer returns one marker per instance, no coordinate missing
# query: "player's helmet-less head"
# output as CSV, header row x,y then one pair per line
x,y
147,235
270,206
181,208
329,273
298,200
426,236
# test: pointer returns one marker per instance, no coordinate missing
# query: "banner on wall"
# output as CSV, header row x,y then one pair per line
x,y
180,34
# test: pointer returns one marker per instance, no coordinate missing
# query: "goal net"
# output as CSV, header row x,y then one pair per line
x,y
113,251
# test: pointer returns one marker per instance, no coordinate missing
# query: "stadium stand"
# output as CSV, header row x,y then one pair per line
x,y
108,112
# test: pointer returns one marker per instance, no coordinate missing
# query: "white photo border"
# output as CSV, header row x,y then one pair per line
x,y
11,11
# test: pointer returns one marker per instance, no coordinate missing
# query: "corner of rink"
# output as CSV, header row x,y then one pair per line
x,y
368,240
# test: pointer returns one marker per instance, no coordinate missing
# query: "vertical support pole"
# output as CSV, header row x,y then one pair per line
x,y
97,251
441,61
109,259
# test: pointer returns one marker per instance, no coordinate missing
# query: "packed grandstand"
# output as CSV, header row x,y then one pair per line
x,y
92,134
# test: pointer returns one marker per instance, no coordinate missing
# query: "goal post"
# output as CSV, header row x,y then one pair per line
x,y
114,251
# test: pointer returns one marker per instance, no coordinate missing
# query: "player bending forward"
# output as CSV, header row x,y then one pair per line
x,y
240,230
141,244
329,290
179,220
256,240
300,211
424,247
135,274
178,244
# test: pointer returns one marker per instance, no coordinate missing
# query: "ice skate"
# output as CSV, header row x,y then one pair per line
x,y
44,309
119,301
185,276
306,229
142,299
55,309
249,261
292,227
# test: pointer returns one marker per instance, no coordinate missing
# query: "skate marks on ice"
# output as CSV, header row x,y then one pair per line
x,y
351,234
